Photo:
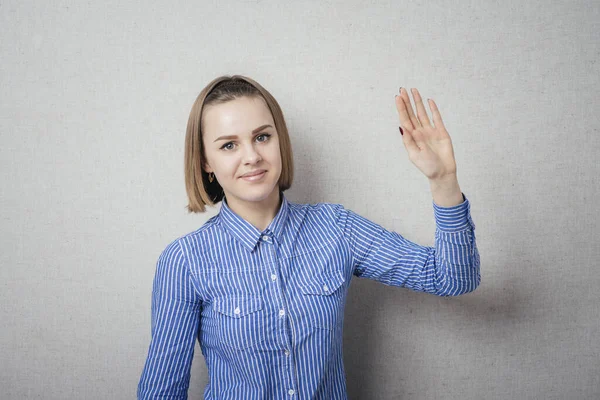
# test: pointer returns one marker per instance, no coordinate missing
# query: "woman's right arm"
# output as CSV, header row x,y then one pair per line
x,y
174,326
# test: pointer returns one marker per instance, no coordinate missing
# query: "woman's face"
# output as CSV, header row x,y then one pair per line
x,y
239,137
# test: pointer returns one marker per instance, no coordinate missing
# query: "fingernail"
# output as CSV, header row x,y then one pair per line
x,y
401,132
400,91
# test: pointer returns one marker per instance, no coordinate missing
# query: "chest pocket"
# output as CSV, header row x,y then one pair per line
x,y
325,296
241,321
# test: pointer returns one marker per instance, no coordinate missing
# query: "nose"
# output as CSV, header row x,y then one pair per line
x,y
251,156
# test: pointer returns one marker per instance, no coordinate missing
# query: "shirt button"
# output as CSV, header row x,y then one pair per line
x,y
273,277
281,313
287,353
291,392
325,288
265,238
236,311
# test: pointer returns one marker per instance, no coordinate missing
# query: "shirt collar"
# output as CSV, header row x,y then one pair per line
x,y
246,233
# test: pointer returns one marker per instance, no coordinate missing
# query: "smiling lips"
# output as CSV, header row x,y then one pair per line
x,y
254,175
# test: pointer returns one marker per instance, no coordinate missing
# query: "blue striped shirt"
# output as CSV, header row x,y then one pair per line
x,y
268,307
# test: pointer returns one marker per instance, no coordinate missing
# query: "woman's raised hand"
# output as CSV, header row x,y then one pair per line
x,y
429,145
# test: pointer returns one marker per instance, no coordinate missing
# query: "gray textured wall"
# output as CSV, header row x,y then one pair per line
x,y
95,99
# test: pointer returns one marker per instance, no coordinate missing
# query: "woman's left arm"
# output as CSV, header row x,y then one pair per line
x,y
450,268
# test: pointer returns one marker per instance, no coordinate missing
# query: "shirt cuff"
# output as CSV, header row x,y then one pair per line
x,y
454,219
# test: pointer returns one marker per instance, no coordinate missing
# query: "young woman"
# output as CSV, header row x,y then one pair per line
x,y
263,284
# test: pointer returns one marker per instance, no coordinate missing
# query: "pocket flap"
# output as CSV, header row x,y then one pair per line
x,y
237,307
323,284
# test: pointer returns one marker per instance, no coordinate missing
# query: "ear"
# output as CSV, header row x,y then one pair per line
x,y
206,167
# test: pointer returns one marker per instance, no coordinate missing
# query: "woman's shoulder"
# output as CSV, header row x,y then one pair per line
x,y
197,235
318,210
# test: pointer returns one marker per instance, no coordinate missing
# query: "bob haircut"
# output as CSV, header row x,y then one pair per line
x,y
220,90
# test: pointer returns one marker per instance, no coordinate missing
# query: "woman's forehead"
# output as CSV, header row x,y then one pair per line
x,y
239,116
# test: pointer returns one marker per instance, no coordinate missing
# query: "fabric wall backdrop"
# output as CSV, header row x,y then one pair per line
x,y
95,100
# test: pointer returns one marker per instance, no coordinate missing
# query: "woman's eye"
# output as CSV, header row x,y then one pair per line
x,y
260,138
266,137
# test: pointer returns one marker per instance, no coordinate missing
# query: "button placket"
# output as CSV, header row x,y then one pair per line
x,y
271,248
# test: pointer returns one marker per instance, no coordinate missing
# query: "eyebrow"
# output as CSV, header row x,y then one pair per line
x,y
260,128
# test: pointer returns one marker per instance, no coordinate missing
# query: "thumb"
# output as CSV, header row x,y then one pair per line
x,y
409,141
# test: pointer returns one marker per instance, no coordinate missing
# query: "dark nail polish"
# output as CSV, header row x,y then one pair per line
x,y
401,132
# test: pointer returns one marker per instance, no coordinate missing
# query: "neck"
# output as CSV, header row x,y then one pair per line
x,y
258,213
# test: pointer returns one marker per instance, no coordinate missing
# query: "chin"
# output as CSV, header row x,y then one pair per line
x,y
255,194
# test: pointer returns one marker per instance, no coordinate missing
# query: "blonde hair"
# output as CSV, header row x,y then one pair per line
x,y
220,90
